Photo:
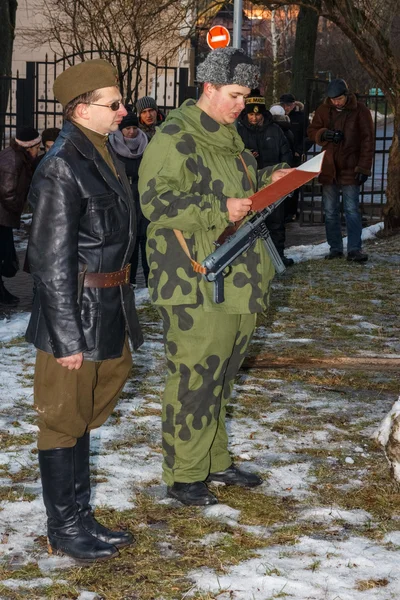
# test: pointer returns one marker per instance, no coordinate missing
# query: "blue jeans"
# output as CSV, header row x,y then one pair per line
x,y
331,202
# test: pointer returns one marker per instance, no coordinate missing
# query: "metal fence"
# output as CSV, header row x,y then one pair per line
x,y
31,101
372,193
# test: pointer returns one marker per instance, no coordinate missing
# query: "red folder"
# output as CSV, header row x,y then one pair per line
x,y
293,180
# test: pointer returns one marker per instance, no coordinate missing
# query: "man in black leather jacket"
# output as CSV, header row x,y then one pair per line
x,y
83,233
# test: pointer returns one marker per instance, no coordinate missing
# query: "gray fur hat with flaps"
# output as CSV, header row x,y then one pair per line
x,y
228,66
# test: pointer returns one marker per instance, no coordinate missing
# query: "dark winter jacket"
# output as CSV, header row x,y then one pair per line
x,y
284,123
267,140
354,154
15,178
298,126
84,218
132,170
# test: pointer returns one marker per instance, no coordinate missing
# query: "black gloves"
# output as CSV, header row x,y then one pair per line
x,y
361,178
332,136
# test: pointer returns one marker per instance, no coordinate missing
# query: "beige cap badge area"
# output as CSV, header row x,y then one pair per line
x,y
86,77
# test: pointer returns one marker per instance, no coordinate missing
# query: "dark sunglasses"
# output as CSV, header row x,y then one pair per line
x,y
114,106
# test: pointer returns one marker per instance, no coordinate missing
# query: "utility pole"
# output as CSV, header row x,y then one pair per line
x,y
237,23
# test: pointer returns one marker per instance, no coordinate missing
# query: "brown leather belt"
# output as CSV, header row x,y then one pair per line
x,y
106,280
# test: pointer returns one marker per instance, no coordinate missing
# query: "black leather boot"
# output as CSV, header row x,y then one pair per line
x,y
192,494
82,497
234,476
65,531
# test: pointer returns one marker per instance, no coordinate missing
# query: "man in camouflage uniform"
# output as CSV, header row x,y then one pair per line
x,y
192,180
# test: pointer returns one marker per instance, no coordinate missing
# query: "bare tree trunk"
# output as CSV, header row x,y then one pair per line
x,y
8,9
304,51
392,209
275,62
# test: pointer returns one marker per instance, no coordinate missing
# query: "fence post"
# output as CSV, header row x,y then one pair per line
x,y
183,85
25,98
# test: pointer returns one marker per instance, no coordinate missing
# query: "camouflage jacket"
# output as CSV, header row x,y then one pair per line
x,y
189,170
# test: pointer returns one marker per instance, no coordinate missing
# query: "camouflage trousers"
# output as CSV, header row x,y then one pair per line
x,y
204,352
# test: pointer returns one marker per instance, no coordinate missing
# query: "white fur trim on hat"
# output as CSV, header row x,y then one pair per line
x,y
29,144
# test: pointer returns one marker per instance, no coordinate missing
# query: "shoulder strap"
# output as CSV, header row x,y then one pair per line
x,y
197,267
247,173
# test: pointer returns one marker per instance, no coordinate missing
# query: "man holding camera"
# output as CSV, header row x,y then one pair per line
x,y
344,128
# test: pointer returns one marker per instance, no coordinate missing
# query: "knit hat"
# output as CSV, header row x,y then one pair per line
x,y
50,134
27,137
145,102
277,110
287,99
83,78
255,103
228,66
130,120
336,88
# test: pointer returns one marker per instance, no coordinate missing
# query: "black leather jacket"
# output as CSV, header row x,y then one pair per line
x,y
84,217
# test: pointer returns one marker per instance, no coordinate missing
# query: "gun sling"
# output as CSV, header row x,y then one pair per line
x,y
197,267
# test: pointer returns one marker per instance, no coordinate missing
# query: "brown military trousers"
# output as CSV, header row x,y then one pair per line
x,y
70,403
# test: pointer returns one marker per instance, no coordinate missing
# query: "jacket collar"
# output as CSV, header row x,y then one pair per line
x,y
351,103
87,149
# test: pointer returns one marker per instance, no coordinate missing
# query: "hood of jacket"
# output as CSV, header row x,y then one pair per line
x,y
190,119
283,121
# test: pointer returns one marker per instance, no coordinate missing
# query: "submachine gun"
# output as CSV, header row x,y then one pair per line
x,y
232,245
237,239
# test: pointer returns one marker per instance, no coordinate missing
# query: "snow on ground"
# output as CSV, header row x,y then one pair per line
x,y
126,457
316,251
312,569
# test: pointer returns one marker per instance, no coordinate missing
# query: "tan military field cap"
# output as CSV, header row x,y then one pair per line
x,y
86,77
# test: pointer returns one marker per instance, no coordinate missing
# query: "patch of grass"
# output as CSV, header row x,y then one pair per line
x,y
294,426
29,571
15,494
335,379
17,341
257,508
24,474
314,566
369,584
53,592
379,494
7,440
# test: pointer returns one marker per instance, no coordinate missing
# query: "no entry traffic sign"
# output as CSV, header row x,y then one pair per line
x,y
218,37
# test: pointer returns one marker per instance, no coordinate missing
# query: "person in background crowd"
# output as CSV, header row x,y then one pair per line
x,y
269,146
344,128
49,136
295,111
16,169
149,115
129,143
82,236
195,179
280,118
